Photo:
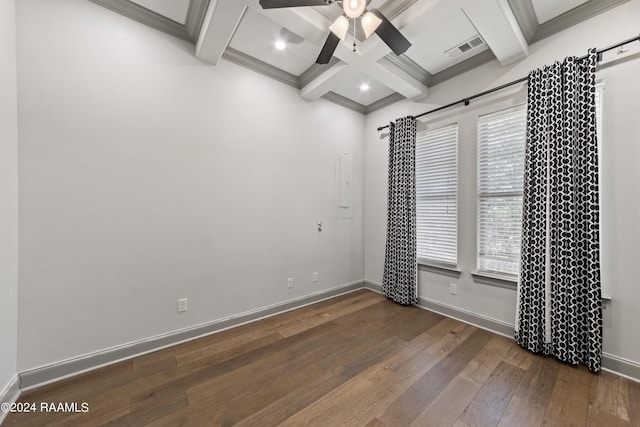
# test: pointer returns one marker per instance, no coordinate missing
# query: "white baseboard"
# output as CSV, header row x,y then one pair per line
x,y
482,322
67,368
619,366
610,363
9,394
57,371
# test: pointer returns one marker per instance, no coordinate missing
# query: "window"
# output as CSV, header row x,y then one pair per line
x,y
437,196
501,152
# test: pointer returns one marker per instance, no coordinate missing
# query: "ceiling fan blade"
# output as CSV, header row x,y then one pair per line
x,y
275,4
391,35
327,50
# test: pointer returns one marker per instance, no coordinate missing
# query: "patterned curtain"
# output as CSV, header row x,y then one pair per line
x,y
559,309
400,281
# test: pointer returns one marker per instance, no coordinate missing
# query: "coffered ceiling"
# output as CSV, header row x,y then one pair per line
x,y
448,37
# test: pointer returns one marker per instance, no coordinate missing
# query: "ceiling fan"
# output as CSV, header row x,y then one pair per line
x,y
372,22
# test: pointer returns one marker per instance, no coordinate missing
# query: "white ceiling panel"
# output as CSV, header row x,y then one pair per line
x,y
172,9
257,36
351,89
549,9
431,45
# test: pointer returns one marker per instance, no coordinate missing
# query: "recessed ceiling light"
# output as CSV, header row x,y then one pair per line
x,y
290,37
364,86
280,45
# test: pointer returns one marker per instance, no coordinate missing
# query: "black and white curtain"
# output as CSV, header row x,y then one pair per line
x,y
400,281
559,303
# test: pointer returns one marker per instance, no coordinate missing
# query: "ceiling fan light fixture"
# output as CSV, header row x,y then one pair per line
x,y
370,22
340,27
354,8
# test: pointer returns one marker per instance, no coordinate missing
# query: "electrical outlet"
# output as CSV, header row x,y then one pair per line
x,y
290,282
453,289
182,305
315,277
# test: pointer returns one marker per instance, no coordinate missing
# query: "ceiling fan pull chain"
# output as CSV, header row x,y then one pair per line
x,y
354,35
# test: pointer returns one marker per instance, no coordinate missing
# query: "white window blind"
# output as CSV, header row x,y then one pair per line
x,y
501,150
437,196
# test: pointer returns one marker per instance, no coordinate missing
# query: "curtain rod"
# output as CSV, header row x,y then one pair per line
x,y
520,80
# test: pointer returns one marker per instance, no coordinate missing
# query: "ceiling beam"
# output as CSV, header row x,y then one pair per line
x,y
195,17
398,80
526,16
369,57
365,60
220,23
327,81
498,27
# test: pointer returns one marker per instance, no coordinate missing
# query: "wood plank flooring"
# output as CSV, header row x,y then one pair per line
x,y
355,360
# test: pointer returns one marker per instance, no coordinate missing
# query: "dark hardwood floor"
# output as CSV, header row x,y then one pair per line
x,y
355,360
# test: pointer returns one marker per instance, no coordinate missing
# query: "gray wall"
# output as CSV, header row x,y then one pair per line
x,y
8,195
620,177
147,176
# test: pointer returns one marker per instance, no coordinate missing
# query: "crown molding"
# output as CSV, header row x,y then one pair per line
x,y
261,67
314,71
574,16
345,102
381,103
410,67
188,31
289,79
393,9
463,67
146,16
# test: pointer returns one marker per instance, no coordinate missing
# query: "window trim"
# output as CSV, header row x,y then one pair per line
x,y
439,265
499,280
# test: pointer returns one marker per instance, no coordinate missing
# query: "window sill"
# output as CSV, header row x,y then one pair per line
x,y
495,280
440,269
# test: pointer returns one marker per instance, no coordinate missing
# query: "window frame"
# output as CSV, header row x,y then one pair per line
x,y
428,261
500,277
